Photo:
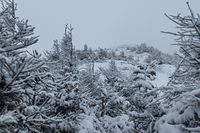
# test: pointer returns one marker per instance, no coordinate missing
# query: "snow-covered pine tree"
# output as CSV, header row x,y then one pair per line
x,y
111,73
89,79
68,50
22,76
181,97
53,58
69,102
110,105
62,57
109,91
54,54
106,88
136,94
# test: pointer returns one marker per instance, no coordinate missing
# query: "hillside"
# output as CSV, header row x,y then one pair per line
x,y
126,89
163,72
131,53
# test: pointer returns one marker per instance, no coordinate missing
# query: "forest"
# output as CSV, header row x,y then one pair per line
x,y
69,90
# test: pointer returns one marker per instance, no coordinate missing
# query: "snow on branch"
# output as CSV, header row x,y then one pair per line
x,y
26,43
189,25
195,129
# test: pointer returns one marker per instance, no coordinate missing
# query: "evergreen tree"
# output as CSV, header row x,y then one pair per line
x,y
62,57
137,96
180,99
67,50
55,53
85,47
102,53
142,48
122,54
112,73
22,75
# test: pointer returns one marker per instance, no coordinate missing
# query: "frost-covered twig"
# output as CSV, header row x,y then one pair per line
x,y
195,129
16,75
193,21
176,70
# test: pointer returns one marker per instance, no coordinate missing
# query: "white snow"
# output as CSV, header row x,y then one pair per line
x,y
87,125
167,128
29,91
162,76
2,50
144,84
119,100
7,118
116,119
163,72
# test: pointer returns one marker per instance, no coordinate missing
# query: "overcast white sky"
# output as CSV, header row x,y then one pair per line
x,y
104,23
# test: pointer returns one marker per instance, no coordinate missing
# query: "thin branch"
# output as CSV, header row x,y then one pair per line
x,y
171,19
193,17
176,70
192,14
170,33
16,75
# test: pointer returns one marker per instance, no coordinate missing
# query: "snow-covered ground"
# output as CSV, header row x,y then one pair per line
x,y
163,74
120,65
163,71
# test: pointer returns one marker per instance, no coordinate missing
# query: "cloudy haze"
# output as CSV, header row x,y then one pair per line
x,y
104,23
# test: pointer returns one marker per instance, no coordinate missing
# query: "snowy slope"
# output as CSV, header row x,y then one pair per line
x,y
127,53
163,71
163,74
120,64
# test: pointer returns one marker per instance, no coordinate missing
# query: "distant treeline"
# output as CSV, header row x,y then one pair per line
x,y
119,53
